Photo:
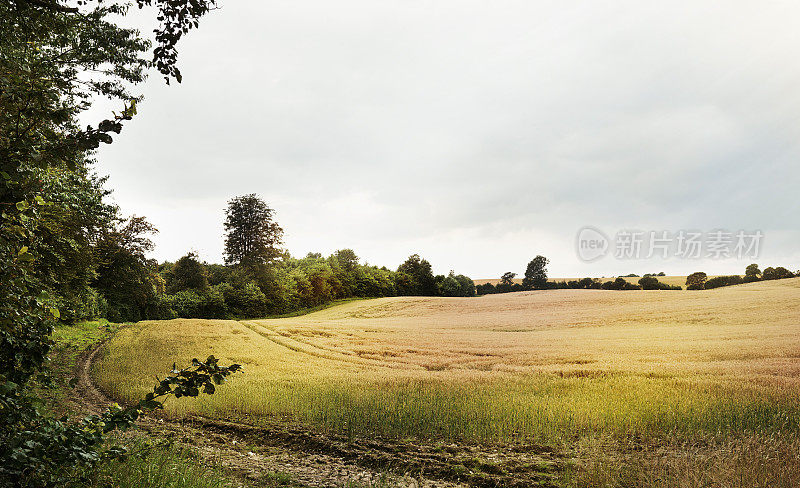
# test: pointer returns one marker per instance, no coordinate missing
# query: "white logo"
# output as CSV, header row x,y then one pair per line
x,y
591,244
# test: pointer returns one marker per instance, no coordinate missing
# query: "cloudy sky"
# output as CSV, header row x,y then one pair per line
x,y
477,134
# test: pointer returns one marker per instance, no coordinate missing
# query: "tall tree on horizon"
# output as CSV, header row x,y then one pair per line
x,y
252,237
536,274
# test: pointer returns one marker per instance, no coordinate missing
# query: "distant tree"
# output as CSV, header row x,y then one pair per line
x,y
752,270
719,281
252,236
696,281
347,259
188,273
777,273
507,278
467,286
420,271
536,274
585,283
620,284
649,282
661,273
485,289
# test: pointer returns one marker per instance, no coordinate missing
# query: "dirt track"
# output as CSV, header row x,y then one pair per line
x,y
255,454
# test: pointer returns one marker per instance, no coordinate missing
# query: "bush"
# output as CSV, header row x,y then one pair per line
x,y
696,281
247,301
650,282
620,284
778,273
719,281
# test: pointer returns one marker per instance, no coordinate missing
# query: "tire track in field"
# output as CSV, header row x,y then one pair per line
x,y
333,461
304,347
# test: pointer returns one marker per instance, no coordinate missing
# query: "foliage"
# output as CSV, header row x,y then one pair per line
x,y
188,273
620,284
418,279
291,284
719,281
696,281
252,236
778,273
536,274
752,270
650,282
49,451
54,60
125,277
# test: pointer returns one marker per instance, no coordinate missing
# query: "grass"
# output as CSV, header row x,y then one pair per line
x,y
648,376
151,465
159,466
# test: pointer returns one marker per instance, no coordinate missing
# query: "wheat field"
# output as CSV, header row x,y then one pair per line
x,y
560,367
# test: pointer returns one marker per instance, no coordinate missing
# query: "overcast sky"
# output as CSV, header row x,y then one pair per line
x,y
477,134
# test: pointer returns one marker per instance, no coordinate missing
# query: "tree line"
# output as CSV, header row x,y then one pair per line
x,y
259,277
700,280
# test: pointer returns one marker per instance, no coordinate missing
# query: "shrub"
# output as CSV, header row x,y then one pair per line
x,y
778,273
719,281
696,281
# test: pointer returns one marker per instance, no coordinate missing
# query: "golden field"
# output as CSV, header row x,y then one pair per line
x,y
572,368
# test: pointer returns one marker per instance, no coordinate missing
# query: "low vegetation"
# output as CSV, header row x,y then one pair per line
x,y
651,372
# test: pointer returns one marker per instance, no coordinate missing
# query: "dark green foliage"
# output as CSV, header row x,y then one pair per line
x,y
418,279
188,273
252,237
650,282
125,277
485,289
778,273
54,59
719,281
536,274
454,285
292,284
696,281
620,284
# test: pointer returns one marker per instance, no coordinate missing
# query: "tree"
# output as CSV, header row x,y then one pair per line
x,y
188,273
252,237
649,283
752,270
696,281
508,278
536,274
421,276
125,277
777,273
55,58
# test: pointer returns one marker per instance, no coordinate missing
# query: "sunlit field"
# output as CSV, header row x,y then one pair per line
x,y
710,377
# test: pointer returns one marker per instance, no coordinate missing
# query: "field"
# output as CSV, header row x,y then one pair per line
x,y
643,388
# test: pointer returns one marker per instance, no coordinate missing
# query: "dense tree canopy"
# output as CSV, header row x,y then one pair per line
x,y
252,237
536,274
55,59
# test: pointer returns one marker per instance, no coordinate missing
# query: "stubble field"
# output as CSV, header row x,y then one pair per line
x,y
642,388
